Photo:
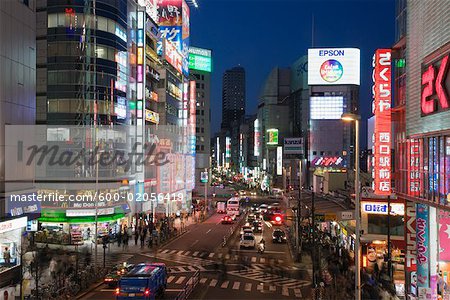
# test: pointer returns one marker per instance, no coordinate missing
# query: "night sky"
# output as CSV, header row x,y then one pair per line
x,y
263,34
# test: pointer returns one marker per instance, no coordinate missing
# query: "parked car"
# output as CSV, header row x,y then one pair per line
x,y
247,241
227,220
278,236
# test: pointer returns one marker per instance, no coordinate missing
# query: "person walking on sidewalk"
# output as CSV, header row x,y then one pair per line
x,y
119,237
7,256
143,234
136,235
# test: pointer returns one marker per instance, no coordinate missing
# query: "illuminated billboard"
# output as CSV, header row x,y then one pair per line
x,y
257,143
227,147
151,116
436,87
326,107
151,8
279,160
172,56
174,26
333,66
272,136
200,63
382,128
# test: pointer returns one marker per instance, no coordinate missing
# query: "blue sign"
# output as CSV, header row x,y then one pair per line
x,y
375,208
172,34
423,244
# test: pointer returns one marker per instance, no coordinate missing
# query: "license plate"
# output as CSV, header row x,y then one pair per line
x,y
131,294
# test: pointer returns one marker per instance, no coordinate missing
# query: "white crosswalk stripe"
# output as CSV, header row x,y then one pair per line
x,y
298,293
248,287
225,284
195,253
211,254
284,291
187,253
236,285
254,259
182,259
185,269
213,283
180,280
170,279
203,280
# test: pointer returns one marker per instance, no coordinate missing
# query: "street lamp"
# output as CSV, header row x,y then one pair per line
x,y
356,118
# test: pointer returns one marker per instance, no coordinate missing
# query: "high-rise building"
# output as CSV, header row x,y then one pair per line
x,y
200,67
17,107
233,96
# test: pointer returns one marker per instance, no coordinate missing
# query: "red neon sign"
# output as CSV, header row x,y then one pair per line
x,y
382,130
434,87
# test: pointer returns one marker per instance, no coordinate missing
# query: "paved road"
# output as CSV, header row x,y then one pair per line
x,y
248,274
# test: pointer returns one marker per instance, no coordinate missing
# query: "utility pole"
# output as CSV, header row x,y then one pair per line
x,y
389,238
299,213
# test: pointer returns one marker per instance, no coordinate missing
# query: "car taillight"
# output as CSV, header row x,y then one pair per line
x,y
117,291
278,218
147,292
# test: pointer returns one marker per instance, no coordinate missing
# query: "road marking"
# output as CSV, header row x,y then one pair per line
x,y
253,259
227,256
194,243
169,280
173,252
107,290
248,287
280,261
236,257
203,280
220,255
259,287
298,293
165,251
195,253
225,284
285,291
180,252
208,231
213,282
272,288
236,285
191,268
211,254
187,253
174,290
262,260
268,224
180,280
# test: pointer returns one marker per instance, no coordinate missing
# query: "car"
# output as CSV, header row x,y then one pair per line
x,y
246,229
253,193
278,236
255,207
242,192
247,241
227,220
258,216
257,226
263,208
251,218
113,277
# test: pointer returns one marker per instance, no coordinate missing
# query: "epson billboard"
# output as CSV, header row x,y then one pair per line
x,y
333,66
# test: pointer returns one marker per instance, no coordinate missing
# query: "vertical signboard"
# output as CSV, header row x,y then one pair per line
x,y
256,143
272,136
279,160
413,167
174,26
411,247
227,147
381,107
192,115
444,235
422,240
218,151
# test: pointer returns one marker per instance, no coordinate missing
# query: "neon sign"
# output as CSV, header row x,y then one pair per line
x,y
435,87
381,107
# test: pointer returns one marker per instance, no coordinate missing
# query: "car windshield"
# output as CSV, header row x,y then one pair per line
x,y
278,233
249,237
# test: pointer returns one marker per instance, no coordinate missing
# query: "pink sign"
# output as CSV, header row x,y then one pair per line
x,y
444,235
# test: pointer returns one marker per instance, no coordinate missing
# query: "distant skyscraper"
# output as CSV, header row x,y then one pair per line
x,y
233,96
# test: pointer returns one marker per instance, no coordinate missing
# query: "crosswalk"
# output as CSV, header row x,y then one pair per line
x,y
205,258
185,269
272,279
289,291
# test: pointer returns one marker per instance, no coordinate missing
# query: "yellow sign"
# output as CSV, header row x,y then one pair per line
x,y
344,231
330,217
151,116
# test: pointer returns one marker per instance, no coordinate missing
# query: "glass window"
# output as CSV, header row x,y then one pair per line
x,y
61,20
111,26
52,20
102,24
52,106
377,224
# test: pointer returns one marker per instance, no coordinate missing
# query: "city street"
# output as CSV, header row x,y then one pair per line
x,y
271,274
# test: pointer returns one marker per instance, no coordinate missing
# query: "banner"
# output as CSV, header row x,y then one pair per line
x,y
444,236
411,246
423,241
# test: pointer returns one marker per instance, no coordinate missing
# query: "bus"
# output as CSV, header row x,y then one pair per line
x,y
234,207
144,281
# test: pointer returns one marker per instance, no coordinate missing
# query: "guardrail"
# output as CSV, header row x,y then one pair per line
x,y
189,286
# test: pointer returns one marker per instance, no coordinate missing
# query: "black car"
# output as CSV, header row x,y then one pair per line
x,y
278,236
255,207
257,226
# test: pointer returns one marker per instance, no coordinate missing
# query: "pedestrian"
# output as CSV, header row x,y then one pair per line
x,y
119,237
142,239
7,256
136,235
125,240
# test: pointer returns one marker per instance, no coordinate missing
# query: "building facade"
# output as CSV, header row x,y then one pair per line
x,y
233,96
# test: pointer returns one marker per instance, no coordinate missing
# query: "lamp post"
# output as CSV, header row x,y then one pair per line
x,y
356,118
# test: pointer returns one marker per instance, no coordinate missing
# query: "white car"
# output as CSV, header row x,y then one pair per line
x,y
247,241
